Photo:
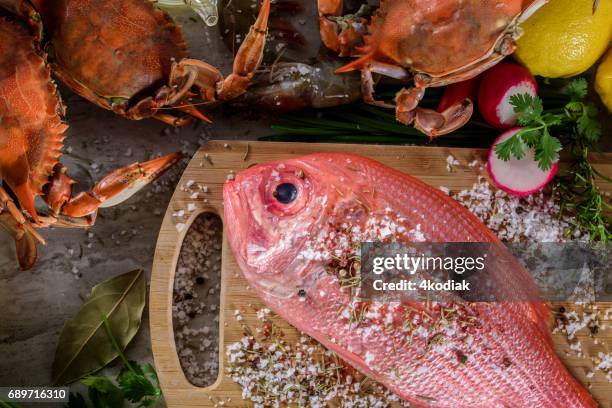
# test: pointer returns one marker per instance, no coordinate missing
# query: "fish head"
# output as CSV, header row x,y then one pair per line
x,y
274,211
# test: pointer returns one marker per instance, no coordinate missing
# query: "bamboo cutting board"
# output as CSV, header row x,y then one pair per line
x,y
211,166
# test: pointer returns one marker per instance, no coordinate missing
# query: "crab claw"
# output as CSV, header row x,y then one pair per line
x,y
435,124
118,186
59,189
428,121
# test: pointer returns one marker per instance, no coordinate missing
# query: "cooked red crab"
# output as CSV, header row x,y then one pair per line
x,y
31,139
434,43
129,57
126,56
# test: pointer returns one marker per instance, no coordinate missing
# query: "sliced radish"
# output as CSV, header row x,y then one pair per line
x,y
518,177
497,85
457,92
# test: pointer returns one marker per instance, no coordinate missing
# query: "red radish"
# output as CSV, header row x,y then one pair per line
x,y
518,177
459,91
497,85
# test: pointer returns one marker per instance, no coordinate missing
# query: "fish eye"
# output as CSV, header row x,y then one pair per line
x,y
285,193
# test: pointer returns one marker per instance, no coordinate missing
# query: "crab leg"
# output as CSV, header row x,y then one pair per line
x,y
329,29
248,58
13,221
210,82
113,189
6,203
151,106
172,120
367,81
345,37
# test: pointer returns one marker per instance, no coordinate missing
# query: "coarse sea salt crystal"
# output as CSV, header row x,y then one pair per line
x,y
534,218
450,162
606,361
180,226
417,234
369,358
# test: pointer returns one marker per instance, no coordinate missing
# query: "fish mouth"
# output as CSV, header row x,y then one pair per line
x,y
233,206
245,235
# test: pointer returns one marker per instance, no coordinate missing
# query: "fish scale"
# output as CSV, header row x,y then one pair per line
x,y
509,360
379,345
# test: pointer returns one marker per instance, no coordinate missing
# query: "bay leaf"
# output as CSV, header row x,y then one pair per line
x,y
84,346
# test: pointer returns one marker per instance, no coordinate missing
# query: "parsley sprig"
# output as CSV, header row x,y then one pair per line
x,y
576,119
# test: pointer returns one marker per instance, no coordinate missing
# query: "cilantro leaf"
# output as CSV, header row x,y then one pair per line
x,y
149,371
103,393
588,125
529,108
551,119
137,388
101,384
574,106
547,152
133,366
514,146
589,128
577,88
530,136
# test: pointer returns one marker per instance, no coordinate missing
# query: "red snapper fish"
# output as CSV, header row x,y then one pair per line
x,y
295,227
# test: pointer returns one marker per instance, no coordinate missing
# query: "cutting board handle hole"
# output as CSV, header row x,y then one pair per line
x,y
196,299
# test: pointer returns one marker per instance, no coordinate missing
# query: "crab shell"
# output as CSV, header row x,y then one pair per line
x,y
448,40
31,126
113,53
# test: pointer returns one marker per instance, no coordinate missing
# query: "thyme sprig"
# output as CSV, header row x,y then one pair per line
x,y
580,196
